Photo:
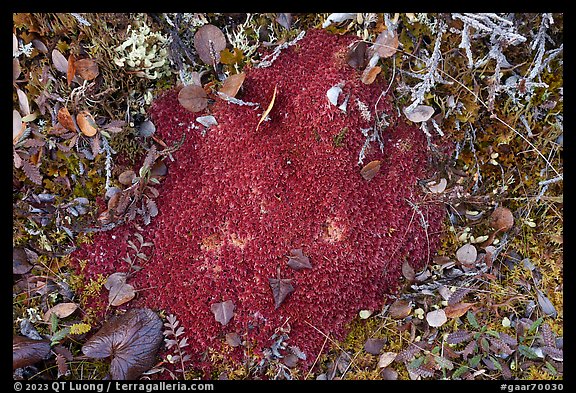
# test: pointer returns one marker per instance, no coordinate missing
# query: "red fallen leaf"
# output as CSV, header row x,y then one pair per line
x,y
193,98
370,170
374,345
232,84
131,340
209,41
86,123
223,312
87,69
281,288
26,351
298,260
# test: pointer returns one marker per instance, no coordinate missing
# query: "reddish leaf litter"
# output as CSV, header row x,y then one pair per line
x,y
236,201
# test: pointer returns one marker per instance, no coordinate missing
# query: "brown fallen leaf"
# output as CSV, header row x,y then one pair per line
x,y
126,177
86,123
233,339
61,310
223,312
193,98
119,291
281,288
369,75
131,340
65,119
400,309
16,70
457,310
370,170
408,271
386,44
232,84
356,56
71,71
20,262
501,219
386,359
267,111
374,345
87,69
26,352
23,102
209,41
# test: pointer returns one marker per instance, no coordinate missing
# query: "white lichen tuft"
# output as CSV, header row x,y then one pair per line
x,y
269,59
240,40
432,75
144,51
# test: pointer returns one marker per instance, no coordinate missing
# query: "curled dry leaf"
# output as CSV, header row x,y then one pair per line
x,y
437,187
370,170
267,111
207,121
365,314
193,98
86,123
386,43
223,311
467,254
132,340
545,304
436,318
420,114
400,309
232,84
61,310
502,219
297,260
369,75
87,69
26,352
66,120
209,41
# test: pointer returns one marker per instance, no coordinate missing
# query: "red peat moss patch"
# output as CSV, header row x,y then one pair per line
x,y
237,201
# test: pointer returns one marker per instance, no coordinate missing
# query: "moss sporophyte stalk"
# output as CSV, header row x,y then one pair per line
x,y
235,202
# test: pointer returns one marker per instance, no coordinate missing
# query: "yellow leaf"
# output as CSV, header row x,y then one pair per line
x,y
269,108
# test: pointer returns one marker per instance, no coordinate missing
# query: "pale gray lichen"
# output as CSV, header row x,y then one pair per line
x,y
144,52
